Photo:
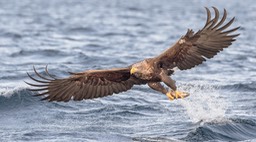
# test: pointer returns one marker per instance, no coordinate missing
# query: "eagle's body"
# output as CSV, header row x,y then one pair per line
x,y
189,51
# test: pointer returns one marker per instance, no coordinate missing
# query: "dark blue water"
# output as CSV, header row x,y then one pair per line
x,y
79,35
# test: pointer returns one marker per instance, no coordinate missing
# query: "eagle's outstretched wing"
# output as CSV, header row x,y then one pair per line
x,y
85,85
193,48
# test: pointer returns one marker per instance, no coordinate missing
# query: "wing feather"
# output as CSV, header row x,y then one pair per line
x,y
90,92
85,85
194,48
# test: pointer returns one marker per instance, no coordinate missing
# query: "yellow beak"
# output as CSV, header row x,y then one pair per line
x,y
133,70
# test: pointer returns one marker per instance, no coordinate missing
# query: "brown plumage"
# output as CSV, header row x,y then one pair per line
x,y
189,51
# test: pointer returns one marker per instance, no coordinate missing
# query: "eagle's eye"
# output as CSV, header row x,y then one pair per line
x,y
160,65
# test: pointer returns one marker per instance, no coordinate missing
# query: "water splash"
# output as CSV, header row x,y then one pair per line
x,y
205,103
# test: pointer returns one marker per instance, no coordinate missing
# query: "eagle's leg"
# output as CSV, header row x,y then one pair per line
x,y
158,87
171,83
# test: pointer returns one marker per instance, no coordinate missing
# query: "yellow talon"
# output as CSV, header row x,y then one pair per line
x,y
179,94
176,95
169,95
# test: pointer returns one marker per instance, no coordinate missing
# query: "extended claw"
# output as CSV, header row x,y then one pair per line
x,y
176,95
169,95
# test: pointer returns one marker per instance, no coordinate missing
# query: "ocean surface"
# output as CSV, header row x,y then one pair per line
x,y
75,35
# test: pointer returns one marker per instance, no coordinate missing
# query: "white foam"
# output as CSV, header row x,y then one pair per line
x,y
205,102
9,91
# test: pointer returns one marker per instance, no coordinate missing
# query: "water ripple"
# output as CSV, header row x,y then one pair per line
x,y
80,35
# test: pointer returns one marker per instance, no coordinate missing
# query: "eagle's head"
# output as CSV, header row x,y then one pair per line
x,y
143,70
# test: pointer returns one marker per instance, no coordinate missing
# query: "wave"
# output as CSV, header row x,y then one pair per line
x,y
213,126
207,110
236,86
232,130
21,97
246,86
154,139
8,34
41,52
81,30
18,97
